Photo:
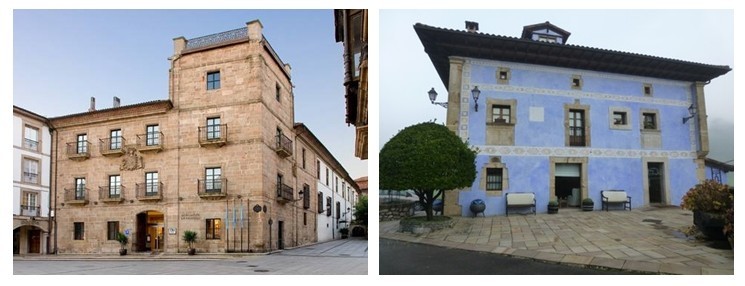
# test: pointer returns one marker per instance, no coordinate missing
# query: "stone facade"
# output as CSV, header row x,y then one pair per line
x,y
219,157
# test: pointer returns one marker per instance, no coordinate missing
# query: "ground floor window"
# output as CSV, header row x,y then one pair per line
x,y
79,232
213,228
493,179
112,230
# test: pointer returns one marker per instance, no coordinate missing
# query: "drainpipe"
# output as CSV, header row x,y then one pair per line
x,y
52,220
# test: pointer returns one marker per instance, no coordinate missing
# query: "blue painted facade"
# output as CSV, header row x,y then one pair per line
x,y
616,158
567,122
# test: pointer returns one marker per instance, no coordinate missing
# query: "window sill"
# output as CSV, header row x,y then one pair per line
x,y
493,193
500,124
650,130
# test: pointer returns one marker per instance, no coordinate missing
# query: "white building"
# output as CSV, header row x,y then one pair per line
x,y
337,195
31,173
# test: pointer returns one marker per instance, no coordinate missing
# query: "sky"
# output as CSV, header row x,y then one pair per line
x,y
663,33
62,58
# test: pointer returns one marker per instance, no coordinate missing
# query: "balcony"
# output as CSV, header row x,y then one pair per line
x,y
283,146
150,142
213,135
30,144
31,211
76,195
112,146
79,150
111,195
29,177
149,191
207,189
284,193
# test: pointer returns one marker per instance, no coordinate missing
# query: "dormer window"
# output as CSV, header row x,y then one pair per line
x,y
547,39
545,32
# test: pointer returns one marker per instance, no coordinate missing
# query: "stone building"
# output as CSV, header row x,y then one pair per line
x,y
351,30
31,173
219,157
567,122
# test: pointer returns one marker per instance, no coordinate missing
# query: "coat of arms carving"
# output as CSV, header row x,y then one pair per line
x,y
131,160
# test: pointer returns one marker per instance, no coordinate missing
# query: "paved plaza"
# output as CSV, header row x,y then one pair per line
x,y
345,256
646,240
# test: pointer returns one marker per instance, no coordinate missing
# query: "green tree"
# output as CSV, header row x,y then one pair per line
x,y
360,210
427,158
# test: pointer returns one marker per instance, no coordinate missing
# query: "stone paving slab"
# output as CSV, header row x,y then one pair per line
x,y
643,240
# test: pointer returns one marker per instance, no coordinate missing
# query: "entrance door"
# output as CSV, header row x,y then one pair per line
x,y
568,184
655,176
142,241
280,235
34,241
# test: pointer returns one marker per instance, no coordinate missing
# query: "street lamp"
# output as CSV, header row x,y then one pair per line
x,y
433,95
475,92
691,111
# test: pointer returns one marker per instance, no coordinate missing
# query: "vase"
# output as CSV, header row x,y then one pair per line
x,y
710,224
477,206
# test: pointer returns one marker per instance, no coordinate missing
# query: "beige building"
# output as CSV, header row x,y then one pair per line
x,y
219,157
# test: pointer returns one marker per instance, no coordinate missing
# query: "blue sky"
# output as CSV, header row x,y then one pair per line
x,y
64,57
704,36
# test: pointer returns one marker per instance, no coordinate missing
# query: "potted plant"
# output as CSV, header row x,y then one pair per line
x,y
344,232
588,204
709,202
123,240
553,207
190,237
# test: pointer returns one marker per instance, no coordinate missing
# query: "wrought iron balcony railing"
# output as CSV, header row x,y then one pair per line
x,y
76,194
283,145
27,210
213,135
150,142
112,146
111,194
284,193
30,144
29,177
149,191
79,150
212,188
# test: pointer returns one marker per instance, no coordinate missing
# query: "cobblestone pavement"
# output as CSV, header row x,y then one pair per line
x,y
346,256
644,240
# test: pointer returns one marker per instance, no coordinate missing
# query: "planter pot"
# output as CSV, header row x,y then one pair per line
x,y
122,252
710,224
192,251
477,206
553,209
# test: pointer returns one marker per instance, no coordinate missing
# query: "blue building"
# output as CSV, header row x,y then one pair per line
x,y
566,122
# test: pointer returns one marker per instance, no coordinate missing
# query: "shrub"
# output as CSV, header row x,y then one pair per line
x,y
729,218
553,203
709,196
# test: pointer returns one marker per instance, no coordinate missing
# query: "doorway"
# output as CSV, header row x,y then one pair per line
x,y
280,235
149,233
568,184
655,177
34,241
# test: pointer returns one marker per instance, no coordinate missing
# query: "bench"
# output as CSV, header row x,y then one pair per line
x,y
615,197
520,200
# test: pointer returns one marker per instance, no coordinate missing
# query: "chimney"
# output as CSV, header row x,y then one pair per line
x,y
93,104
117,101
254,30
472,26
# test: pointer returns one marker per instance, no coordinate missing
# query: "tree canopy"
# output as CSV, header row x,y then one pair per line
x,y
427,158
